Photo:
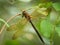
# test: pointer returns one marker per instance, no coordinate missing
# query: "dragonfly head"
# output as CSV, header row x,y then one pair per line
x,y
23,13
26,15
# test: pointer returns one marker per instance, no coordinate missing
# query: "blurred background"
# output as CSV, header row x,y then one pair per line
x,y
25,33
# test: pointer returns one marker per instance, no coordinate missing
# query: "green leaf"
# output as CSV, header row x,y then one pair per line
x,y
46,5
54,16
58,30
46,28
4,22
12,42
56,6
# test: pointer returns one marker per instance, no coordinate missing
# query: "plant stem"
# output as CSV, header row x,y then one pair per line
x,y
3,27
52,36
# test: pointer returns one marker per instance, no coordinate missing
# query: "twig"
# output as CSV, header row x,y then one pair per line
x,y
3,27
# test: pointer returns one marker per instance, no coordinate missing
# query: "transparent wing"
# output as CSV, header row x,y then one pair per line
x,y
18,33
18,25
18,28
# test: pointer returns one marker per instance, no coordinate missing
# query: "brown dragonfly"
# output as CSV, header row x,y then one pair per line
x,y
26,15
33,17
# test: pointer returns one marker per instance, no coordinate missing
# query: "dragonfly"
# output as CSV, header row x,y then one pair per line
x,y
30,18
26,15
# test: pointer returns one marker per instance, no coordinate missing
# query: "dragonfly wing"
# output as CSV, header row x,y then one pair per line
x,y
40,13
18,33
19,25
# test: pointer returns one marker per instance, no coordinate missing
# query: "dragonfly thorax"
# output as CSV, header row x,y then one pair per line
x,y
26,15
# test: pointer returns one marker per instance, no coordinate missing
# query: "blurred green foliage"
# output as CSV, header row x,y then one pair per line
x,y
45,16
12,42
4,22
